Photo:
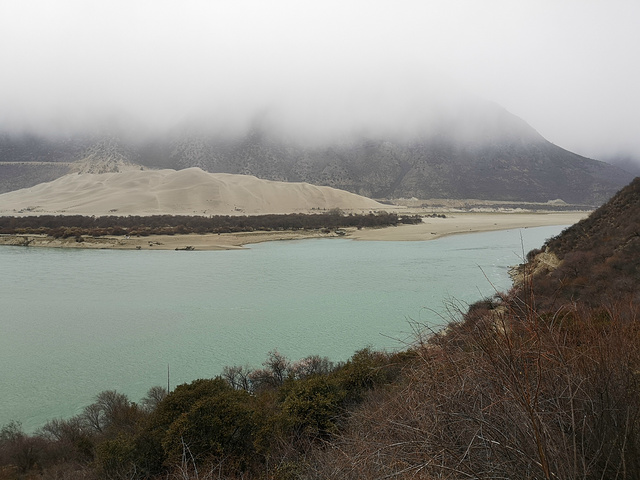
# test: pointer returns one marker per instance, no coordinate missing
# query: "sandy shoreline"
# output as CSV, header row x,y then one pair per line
x,y
457,223
431,228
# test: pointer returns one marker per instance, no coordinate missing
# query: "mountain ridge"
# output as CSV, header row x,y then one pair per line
x,y
481,152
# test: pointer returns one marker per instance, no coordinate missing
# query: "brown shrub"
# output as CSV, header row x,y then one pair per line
x,y
512,396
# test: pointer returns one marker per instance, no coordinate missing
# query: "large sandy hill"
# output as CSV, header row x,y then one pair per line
x,y
191,191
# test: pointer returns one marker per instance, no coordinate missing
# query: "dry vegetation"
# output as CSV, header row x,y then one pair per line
x,y
504,394
541,382
65,226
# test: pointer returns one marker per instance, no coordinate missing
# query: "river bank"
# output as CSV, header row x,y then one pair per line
x,y
430,228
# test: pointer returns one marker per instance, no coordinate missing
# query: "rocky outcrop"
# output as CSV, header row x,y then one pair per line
x,y
109,155
540,262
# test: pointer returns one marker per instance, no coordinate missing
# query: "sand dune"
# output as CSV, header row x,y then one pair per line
x,y
191,191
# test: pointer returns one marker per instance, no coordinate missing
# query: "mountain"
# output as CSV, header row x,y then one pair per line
x,y
480,151
630,163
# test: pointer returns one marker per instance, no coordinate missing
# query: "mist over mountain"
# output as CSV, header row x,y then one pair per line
x,y
629,163
475,150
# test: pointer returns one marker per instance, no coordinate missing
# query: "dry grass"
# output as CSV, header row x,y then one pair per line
x,y
505,395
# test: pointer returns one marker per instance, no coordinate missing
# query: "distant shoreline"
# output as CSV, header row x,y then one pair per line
x,y
469,222
430,228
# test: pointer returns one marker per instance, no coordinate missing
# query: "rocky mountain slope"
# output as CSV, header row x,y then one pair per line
x,y
482,152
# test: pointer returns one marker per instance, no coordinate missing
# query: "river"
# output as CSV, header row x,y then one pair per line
x,y
76,322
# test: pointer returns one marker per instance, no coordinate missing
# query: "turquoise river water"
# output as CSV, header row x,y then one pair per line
x,y
76,322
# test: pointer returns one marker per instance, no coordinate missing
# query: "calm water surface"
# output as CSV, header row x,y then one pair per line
x,y
76,322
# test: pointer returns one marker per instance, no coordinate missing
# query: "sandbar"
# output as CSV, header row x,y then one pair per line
x,y
457,223
430,228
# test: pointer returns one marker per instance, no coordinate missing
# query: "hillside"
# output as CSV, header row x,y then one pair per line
x,y
480,151
599,256
135,191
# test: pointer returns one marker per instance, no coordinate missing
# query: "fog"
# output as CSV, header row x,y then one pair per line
x,y
323,68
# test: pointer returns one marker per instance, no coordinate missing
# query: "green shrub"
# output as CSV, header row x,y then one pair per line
x,y
215,427
313,406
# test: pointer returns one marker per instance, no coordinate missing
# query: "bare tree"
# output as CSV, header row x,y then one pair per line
x,y
153,397
311,365
276,370
238,377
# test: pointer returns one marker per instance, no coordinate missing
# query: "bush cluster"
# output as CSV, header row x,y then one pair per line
x,y
244,422
65,226
505,393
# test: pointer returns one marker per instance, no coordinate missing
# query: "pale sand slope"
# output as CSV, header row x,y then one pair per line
x,y
456,223
191,191
430,228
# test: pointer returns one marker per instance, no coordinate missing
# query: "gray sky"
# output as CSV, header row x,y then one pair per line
x,y
570,68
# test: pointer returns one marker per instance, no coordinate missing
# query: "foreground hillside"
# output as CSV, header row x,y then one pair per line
x,y
600,256
185,192
539,382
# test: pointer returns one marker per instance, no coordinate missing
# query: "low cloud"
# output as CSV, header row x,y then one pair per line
x,y
321,69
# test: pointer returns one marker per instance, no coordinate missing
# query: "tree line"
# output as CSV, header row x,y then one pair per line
x,y
65,226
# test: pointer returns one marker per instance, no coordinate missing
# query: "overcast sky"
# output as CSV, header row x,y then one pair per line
x,y
570,68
